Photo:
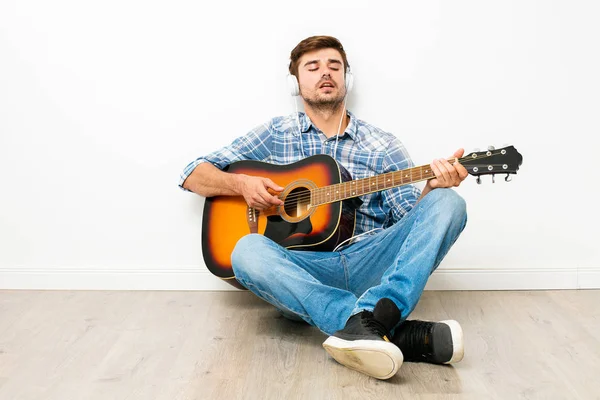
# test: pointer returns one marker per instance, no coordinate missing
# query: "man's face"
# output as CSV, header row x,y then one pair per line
x,y
321,77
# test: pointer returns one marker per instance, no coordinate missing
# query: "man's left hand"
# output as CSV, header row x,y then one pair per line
x,y
446,174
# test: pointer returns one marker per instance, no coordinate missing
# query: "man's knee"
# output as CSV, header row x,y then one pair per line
x,y
449,202
447,205
248,254
455,203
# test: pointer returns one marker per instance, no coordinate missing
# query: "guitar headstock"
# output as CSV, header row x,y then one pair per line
x,y
493,161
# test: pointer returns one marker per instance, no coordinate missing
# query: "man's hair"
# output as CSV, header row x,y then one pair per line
x,y
315,43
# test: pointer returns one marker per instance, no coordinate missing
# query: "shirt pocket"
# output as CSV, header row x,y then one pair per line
x,y
366,166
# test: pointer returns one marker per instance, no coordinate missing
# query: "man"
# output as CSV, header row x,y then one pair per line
x,y
362,293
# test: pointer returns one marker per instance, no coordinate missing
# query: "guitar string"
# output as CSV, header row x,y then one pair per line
x,y
308,197
305,195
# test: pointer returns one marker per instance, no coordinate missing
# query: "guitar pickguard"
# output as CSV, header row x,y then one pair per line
x,y
280,231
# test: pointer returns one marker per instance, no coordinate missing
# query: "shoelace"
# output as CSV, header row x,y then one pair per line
x,y
368,321
415,339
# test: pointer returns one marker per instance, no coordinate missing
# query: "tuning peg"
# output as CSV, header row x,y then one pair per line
x,y
477,150
490,148
507,178
493,178
479,180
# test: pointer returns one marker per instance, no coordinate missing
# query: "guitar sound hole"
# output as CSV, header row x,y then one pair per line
x,y
296,202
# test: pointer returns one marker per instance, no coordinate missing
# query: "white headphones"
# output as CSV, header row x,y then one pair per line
x,y
295,88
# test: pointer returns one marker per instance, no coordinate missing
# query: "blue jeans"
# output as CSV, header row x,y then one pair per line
x,y
326,288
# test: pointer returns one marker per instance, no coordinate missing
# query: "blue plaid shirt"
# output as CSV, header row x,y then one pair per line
x,y
363,150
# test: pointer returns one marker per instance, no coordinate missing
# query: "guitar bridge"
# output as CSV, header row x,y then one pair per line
x,y
252,218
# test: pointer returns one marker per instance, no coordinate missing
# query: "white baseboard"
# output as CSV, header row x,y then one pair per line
x,y
187,278
514,279
198,278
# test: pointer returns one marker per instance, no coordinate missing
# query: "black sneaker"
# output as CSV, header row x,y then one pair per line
x,y
363,344
432,342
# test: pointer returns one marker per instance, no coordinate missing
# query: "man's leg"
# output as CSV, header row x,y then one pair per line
x,y
308,284
397,262
394,265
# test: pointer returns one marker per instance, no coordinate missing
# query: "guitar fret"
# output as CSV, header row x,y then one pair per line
x,y
362,187
355,188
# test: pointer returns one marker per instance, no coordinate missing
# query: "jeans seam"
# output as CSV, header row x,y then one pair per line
x,y
437,263
346,272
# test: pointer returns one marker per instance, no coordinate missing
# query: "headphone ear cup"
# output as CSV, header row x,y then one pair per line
x,y
349,81
293,85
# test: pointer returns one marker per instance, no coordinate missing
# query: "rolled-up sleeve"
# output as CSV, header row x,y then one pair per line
x,y
256,145
400,200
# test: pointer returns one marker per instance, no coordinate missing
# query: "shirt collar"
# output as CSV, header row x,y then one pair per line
x,y
306,123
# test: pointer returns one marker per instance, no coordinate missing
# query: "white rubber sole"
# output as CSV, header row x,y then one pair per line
x,y
457,341
379,359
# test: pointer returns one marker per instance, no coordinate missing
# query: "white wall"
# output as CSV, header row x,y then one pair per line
x,y
103,104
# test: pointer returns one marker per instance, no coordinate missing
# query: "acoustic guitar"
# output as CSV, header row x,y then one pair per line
x,y
320,199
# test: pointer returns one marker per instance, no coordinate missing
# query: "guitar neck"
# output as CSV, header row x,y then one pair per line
x,y
360,187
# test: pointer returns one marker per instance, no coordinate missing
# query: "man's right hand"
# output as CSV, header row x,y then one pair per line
x,y
254,190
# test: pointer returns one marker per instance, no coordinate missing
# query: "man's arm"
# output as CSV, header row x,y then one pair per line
x,y
207,180
205,177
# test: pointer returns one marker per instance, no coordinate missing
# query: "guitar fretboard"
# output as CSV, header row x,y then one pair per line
x,y
360,187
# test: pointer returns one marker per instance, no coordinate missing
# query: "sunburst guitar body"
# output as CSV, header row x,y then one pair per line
x,y
297,224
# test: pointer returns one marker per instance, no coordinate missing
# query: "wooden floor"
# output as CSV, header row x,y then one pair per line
x,y
230,345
